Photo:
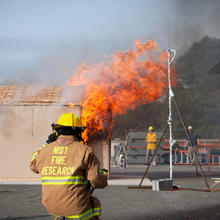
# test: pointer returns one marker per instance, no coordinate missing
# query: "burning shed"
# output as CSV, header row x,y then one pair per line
x,y
26,115
131,78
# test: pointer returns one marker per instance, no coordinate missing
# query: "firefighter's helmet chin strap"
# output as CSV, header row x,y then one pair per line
x,y
53,126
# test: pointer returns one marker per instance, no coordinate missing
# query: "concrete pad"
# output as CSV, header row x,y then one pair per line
x,y
20,202
129,182
117,182
20,182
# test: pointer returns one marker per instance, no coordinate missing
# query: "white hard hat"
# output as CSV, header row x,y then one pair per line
x,y
190,127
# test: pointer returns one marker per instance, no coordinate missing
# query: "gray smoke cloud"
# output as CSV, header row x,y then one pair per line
x,y
180,23
61,62
191,20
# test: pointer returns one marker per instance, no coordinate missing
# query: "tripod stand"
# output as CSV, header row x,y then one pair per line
x,y
171,55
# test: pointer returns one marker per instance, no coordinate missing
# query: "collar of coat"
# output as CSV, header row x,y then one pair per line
x,y
66,139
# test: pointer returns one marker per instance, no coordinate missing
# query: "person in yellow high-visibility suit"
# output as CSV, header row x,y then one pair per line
x,y
151,140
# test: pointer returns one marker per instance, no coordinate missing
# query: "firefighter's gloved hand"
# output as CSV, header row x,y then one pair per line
x,y
105,170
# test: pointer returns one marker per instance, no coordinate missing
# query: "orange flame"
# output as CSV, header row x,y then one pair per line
x,y
130,79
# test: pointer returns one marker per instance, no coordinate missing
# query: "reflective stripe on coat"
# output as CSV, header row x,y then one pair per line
x,y
67,168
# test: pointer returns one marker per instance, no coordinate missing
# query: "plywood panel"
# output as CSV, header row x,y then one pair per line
x,y
100,148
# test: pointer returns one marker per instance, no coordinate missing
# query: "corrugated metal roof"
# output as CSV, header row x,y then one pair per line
x,y
38,95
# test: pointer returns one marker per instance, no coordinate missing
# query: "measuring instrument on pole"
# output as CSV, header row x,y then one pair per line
x,y
171,56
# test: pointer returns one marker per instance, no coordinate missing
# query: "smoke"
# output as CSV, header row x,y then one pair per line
x,y
54,67
175,23
191,20
62,61
7,121
72,95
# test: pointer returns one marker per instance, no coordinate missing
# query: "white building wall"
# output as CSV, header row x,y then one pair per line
x,y
23,130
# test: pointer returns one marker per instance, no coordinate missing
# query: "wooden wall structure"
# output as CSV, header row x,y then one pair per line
x,y
26,115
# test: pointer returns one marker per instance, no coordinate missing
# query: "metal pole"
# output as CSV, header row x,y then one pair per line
x,y
171,55
155,152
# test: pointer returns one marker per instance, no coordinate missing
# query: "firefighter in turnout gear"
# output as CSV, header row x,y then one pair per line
x,y
69,170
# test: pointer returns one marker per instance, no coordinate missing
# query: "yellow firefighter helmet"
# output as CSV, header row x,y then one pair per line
x,y
68,120
150,128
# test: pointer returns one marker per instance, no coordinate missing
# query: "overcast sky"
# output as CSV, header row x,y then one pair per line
x,y
44,41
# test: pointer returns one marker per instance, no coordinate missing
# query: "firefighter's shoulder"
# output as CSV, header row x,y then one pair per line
x,y
83,147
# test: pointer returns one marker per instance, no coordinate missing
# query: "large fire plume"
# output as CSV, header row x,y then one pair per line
x,y
129,79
